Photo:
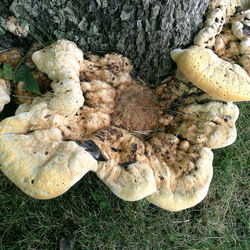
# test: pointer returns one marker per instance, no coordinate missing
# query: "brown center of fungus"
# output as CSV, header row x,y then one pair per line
x,y
136,109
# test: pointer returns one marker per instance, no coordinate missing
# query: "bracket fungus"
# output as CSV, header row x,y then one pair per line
x,y
141,142
219,62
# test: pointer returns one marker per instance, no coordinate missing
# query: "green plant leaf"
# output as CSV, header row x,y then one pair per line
x,y
7,68
6,72
23,74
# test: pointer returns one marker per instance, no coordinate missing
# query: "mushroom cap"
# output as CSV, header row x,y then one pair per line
x,y
41,164
178,193
218,78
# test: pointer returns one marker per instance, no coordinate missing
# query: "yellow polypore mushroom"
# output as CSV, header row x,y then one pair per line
x,y
217,77
125,132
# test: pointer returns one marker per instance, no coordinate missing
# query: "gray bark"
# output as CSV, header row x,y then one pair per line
x,y
143,30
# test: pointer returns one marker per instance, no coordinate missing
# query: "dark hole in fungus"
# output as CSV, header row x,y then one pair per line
x,y
32,181
92,148
134,148
227,118
115,149
46,153
246,30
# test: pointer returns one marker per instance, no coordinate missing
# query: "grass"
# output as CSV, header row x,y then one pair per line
x,y
96,219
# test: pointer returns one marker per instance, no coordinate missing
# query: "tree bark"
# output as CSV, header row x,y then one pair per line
x,y
143,30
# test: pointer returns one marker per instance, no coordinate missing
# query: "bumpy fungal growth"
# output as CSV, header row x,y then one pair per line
x,y
217,14
211,124
4,93
217,77
61,62
233,43
13,26
185,190
11,57
129,135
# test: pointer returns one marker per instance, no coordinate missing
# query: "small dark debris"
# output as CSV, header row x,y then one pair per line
x,y
92,148
32,181
68,127
46,153
67,243
47,116
126,164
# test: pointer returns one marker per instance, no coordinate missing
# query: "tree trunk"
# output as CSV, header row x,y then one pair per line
x,y
143,30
